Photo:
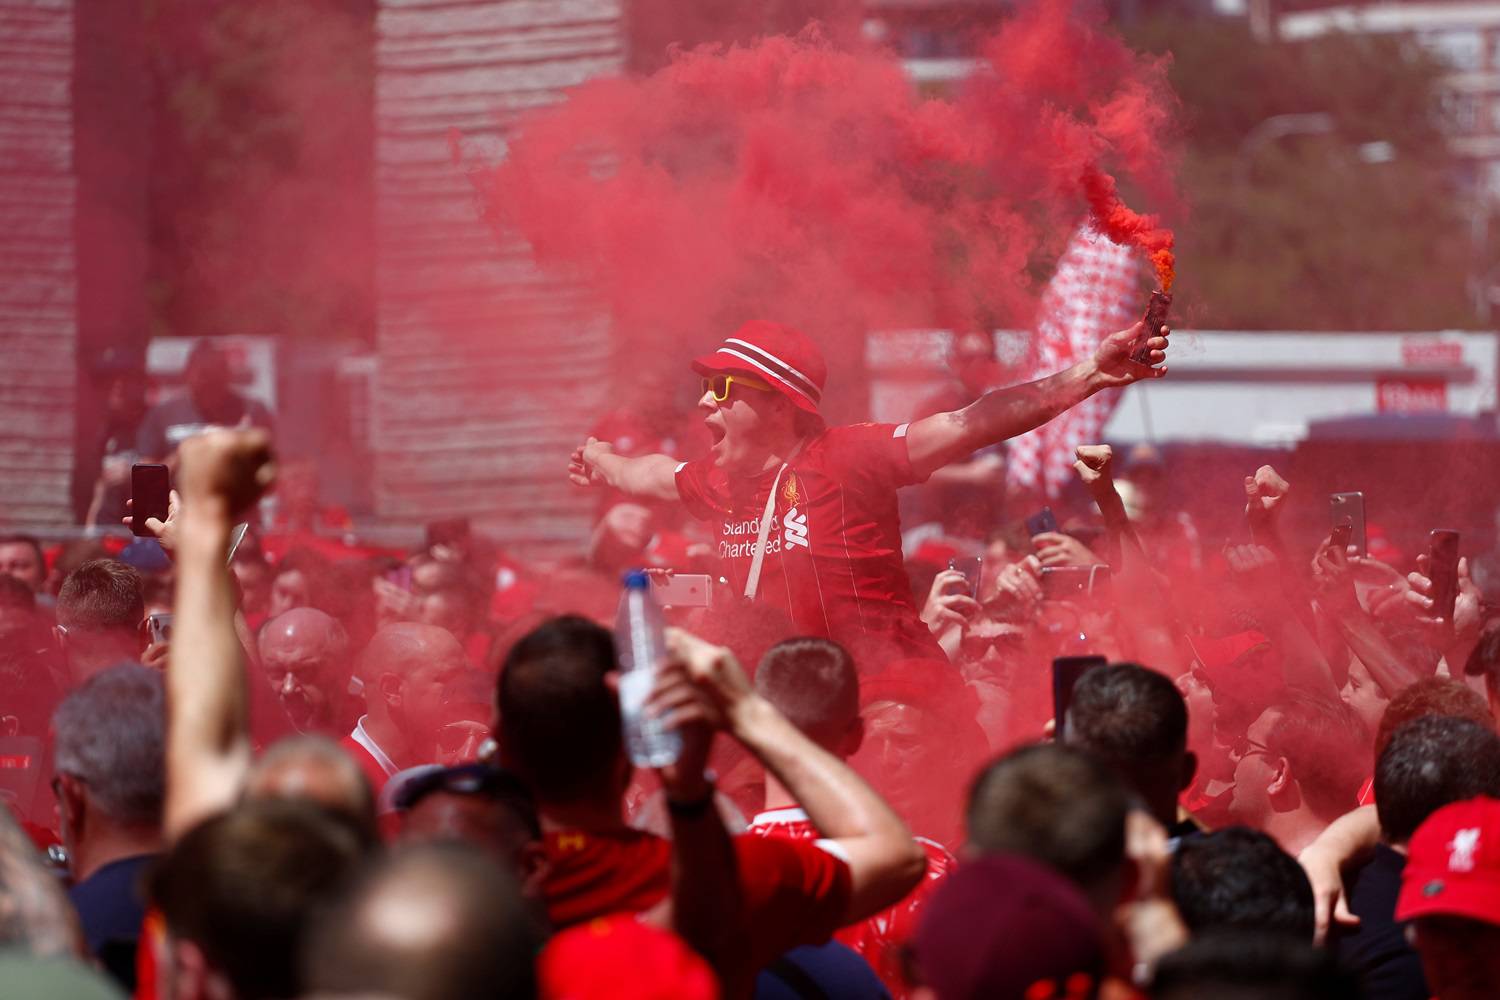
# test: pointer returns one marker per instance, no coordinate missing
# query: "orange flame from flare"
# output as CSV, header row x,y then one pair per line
x,y
1125,226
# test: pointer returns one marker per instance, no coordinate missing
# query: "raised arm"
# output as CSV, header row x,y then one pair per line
x,y
648,477
942,438
1148,611
208,741
885,863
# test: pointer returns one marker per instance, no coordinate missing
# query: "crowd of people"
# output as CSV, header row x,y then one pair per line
x,y
1079,755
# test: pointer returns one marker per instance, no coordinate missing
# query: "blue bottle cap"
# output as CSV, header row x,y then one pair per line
x,y
637,579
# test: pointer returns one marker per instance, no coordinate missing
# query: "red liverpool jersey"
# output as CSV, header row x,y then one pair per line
x,y
794,893
879,940
833,557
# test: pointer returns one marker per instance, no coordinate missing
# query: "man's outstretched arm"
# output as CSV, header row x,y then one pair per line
x,y
648,477
208,741
942,438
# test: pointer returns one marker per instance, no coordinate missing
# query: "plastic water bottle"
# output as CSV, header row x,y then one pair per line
x,y
638,639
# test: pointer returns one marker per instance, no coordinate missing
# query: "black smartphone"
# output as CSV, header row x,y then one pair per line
x,y
1065,673
1041,523
1349,509
970,567
150,486
1062,582
1340,535
1444,572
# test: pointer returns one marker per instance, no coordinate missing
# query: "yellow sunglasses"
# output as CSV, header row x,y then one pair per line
x,y
719,385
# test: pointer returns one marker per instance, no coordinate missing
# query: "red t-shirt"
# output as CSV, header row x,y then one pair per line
x,y
880,939
833,557
794,893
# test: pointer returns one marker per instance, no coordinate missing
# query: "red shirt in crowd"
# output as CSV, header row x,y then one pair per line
x,y
878,940
374,762
833,557
794,893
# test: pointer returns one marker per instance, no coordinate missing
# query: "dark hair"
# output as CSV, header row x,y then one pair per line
x,y
1240,879
559,724
1431,762
1054,804
1127,716
241,886
814,684
1431,696
1249,966
479,780
482,943
101,595
1485,658
1325,742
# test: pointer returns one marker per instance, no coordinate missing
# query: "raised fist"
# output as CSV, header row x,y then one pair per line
x,y
1093,462
233,466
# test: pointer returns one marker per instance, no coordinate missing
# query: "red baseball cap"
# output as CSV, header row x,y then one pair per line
x,y
1453,864
777,354
1008,928
620,958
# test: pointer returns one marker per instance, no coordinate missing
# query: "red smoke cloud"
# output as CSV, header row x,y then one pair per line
x,y
797,181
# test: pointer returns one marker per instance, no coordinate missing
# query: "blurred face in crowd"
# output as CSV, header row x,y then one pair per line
x,y
427,704
912,770
20,561
208,379
289,590
1213,759
305,659
744,424
1461,957
1257,768
1362,694
254,578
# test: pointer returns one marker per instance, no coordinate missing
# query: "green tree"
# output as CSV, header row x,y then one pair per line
x,y
1315,227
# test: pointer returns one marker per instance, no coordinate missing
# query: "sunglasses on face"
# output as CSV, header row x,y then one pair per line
x,y
719,385
975,646
1243,746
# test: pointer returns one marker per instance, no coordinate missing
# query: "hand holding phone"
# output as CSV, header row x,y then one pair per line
x,y
150,496
1444,573
1347,510
970,567
1040,523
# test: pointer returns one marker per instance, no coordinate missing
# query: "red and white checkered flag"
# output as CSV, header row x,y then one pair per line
x,y
1094,292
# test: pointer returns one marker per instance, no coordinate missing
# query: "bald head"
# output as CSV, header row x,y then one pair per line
x,y
316,769
405,648
305,653
417,681
428,923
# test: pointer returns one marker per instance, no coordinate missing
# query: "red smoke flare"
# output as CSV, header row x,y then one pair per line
x,y
1117,221
797,181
